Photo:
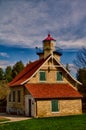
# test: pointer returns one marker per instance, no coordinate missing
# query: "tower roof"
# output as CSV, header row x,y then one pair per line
x,y
49,38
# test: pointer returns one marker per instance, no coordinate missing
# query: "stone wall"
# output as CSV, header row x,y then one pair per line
x,y
16,107
66,107
51,68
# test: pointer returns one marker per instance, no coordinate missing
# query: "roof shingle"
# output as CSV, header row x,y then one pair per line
x,y
41,91
27,72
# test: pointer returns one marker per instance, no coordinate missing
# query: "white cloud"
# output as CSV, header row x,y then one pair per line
x,y
3,54
72,43
26,23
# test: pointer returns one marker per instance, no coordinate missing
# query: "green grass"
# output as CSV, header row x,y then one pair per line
x,y
77,122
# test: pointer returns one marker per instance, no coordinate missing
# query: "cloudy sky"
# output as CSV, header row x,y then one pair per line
x,y
25,23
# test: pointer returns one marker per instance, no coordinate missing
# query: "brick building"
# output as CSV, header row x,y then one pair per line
x,y
45,88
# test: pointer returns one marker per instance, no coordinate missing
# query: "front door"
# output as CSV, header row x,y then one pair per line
x,y
30,107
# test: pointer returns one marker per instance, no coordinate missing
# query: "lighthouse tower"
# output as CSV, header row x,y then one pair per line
x,y
49,48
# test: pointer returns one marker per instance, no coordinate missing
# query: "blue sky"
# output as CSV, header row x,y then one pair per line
x,y
25,23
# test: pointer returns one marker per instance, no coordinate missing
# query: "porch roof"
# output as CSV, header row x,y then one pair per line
x,y
44,91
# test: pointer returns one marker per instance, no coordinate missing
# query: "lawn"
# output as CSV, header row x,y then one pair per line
x,y
54,123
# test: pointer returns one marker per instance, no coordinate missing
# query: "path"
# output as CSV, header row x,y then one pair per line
x,y
13,118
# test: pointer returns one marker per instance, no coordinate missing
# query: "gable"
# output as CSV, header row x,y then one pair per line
x,y
72,79
27,72
48,64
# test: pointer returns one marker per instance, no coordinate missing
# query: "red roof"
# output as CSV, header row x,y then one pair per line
x,y
49,38
40,91
27,72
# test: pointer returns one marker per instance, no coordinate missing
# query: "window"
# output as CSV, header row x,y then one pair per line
x,y
42,76
13,96
54,105
59,76
10,97
19,96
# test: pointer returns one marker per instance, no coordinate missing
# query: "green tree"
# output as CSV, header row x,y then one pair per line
x,y
4,90
81,76
17,68
1,74
8,73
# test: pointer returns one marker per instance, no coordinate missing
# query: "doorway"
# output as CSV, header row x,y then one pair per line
x,y
29,107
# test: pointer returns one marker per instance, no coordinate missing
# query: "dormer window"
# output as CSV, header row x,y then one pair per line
x,y
42,76
59,76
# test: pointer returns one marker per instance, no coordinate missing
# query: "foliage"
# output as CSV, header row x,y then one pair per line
x,y
77,122
17,68
81,76
1,74
4,90
7,76
8,73
11,72
80,62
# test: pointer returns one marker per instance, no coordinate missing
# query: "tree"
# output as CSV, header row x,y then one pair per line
x,y
80,60
8,73
17,68
81,76
1,74
4,90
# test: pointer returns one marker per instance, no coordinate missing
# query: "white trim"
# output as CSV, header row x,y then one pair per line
x,y
36,71
27,97
67,72
61,65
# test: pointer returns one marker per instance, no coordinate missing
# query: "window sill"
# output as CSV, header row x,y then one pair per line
x,y
60,81
56,112
42,81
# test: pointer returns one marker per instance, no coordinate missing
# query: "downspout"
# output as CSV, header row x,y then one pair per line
x,y
36,108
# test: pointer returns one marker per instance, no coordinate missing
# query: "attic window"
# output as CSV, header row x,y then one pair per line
x,y
59,76
42,75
